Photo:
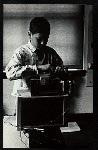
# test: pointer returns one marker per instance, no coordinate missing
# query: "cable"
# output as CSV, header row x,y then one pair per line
x,y
61,115
25,135
8,115
57,117
9,122
20,131
23,141
38,130
42,125
6,119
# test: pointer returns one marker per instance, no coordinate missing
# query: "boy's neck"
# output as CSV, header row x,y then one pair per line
x,y
31,46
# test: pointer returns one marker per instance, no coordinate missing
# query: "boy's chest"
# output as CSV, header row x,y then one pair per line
x,y
36,58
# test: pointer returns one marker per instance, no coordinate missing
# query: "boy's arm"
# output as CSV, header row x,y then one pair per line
x,y
15,67
56,60
55,63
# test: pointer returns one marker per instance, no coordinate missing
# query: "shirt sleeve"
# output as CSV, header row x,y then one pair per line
x,y
15,67
57,61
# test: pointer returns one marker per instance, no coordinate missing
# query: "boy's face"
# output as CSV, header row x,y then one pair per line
x,y
38,39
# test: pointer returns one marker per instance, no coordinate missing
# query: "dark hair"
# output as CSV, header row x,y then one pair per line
x,y
39,25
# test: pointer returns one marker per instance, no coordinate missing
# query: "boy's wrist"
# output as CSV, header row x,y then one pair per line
x,y
32,67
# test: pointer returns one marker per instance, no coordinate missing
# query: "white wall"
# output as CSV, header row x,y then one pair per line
x,y
81,100
66,34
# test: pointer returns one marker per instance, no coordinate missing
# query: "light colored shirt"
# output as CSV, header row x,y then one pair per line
x,y
28,55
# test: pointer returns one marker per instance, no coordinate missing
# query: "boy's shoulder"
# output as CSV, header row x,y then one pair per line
x,y
50,49
22,49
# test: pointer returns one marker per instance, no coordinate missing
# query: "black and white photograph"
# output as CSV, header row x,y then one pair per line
x,y
48,76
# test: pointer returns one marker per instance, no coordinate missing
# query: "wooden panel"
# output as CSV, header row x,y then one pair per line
x,y
90,50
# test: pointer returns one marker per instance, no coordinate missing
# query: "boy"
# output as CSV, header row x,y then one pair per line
x,y
33,56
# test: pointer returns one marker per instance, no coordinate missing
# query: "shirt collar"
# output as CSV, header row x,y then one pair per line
x,y
31,47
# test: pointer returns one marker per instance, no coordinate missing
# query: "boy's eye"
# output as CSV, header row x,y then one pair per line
x,y
39,39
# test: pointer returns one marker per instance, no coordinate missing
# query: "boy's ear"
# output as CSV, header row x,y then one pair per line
x,y
29,33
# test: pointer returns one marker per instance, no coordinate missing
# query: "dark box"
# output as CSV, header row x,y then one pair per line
x,y
41,112
45,86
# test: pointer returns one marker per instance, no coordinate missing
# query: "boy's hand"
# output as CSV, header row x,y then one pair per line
x,y
29,71
46,67
34,68
58,69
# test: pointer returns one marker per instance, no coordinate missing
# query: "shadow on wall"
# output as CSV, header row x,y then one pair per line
x,y
75,97
79,83
4,111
